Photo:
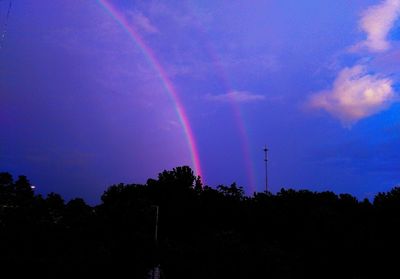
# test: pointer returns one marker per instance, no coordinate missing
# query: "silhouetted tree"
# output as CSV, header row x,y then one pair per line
x,y
202,232
23,190
6,188
233,191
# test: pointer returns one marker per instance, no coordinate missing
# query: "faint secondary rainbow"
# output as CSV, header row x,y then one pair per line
x,y
167,83
244,139
219,70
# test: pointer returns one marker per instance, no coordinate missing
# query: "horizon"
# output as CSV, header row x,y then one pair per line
x,y
221,189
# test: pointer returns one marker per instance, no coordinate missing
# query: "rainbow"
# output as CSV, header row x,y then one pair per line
x,y
167,83
248,163
243,135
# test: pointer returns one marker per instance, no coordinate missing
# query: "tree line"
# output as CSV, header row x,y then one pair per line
x,y
202,232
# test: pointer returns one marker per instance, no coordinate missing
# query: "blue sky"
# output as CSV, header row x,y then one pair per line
x,y
317,81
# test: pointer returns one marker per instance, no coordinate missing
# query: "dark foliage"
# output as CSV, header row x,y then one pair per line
x,y
202,232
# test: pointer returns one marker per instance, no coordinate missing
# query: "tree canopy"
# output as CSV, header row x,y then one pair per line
x,y
202,232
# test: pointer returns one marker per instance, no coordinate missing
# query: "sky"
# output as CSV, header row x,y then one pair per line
x,y
99,92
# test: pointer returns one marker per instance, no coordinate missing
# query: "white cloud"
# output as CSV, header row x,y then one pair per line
x,y
376,22
355,95
237,96
143,22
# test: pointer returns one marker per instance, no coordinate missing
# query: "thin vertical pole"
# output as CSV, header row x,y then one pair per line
x,y
266,167
156,227
155,272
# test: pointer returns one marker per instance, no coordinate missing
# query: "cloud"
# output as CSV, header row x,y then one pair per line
x,y
376,22
355,95
236,96
143,22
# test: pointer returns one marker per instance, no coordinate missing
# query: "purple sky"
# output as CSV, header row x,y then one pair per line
x,y
82,106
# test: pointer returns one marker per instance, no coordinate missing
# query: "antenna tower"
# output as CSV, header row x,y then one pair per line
x,y
266,167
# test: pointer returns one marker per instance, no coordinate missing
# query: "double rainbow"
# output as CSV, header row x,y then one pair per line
x,y
121,19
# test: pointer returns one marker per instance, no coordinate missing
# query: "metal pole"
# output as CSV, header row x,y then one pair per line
x,y
266,167
156,228
155,272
